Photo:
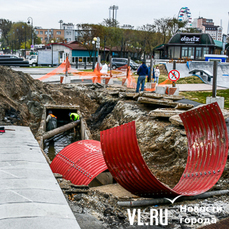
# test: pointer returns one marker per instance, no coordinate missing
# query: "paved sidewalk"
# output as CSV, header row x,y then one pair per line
x,y
30,197
196,87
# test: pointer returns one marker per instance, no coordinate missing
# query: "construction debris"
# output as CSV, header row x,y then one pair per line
x,y
163,144
176,120
165,112
160,102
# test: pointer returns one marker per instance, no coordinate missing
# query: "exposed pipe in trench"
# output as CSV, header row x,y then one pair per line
x,y
61,129
147,202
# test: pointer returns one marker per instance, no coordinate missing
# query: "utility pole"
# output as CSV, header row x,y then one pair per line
x,y
114,14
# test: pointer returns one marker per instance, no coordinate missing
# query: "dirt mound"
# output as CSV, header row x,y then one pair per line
x,y
22,98
163,145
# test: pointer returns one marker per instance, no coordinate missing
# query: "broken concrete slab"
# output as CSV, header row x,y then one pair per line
x,y
113,92
157,102
184,106
173,97
153,95
160,96
176,120
160,90
165,112
131,95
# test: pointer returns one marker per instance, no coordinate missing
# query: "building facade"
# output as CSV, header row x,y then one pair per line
x,y
76,52
191,46
207,26
68,31
46,35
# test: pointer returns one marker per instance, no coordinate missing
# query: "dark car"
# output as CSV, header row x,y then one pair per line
x,y
11,60
119,62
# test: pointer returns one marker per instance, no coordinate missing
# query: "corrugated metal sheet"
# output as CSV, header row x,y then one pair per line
x,y
80,162
207,154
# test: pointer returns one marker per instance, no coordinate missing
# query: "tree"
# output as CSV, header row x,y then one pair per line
x,y
5,26
162,27
110,22
147,38
19,34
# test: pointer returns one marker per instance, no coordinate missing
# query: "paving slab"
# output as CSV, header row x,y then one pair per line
x,y
30,196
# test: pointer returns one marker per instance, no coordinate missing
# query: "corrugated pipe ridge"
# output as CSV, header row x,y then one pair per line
x,y
207,154
80,162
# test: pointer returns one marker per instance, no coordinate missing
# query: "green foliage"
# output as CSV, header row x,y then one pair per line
x,y
190,80
200,96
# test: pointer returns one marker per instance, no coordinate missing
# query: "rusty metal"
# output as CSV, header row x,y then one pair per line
x,y
207,154
80,162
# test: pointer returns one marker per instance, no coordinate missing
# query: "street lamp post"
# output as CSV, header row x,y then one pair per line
x,y
94,43
30,20
52,41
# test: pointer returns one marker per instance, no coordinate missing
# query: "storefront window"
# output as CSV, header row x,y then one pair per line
x,y
205,50
187,52
80,59
198,53
191,52
174,52
184,52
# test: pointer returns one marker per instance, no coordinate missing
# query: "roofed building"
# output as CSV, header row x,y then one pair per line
x,y
76,52
46,35
188,46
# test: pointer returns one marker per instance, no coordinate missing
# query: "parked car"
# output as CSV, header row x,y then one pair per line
x,y
119,62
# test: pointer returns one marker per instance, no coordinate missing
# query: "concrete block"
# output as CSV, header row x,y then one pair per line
x,y
160,90
218,99
173,91
105,178
148,85
111,81
67,79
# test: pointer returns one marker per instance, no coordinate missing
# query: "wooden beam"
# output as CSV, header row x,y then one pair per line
x,y
61,129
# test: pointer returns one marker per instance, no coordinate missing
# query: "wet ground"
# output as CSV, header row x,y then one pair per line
x,y
54,145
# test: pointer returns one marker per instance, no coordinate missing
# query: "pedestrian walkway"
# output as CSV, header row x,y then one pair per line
x,y
30,196
197,87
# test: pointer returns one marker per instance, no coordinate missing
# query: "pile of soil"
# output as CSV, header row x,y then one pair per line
x,y
22,98
163,145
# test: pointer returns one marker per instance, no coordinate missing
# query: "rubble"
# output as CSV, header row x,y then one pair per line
x,y
162,141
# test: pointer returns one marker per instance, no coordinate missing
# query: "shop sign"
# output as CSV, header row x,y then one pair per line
x,y
190,39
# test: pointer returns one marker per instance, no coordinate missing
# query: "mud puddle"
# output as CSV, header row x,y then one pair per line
x,y
54,145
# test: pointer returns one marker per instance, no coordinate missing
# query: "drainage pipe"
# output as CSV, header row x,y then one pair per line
x,y
147,202
61,129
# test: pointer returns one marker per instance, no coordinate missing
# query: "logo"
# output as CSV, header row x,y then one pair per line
x,y
173,200
190,39
156,217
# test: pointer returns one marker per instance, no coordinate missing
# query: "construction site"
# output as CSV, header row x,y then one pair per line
x,y
138,160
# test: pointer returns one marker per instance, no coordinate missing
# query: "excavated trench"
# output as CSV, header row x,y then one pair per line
x,y
162,144
52,146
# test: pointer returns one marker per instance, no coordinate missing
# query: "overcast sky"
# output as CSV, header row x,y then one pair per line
x,y
47,13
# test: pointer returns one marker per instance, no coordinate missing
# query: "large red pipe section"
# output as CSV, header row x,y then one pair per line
x,y
207,155
80,162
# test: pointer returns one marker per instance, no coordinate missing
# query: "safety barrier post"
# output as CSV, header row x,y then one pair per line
x,y
214,79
